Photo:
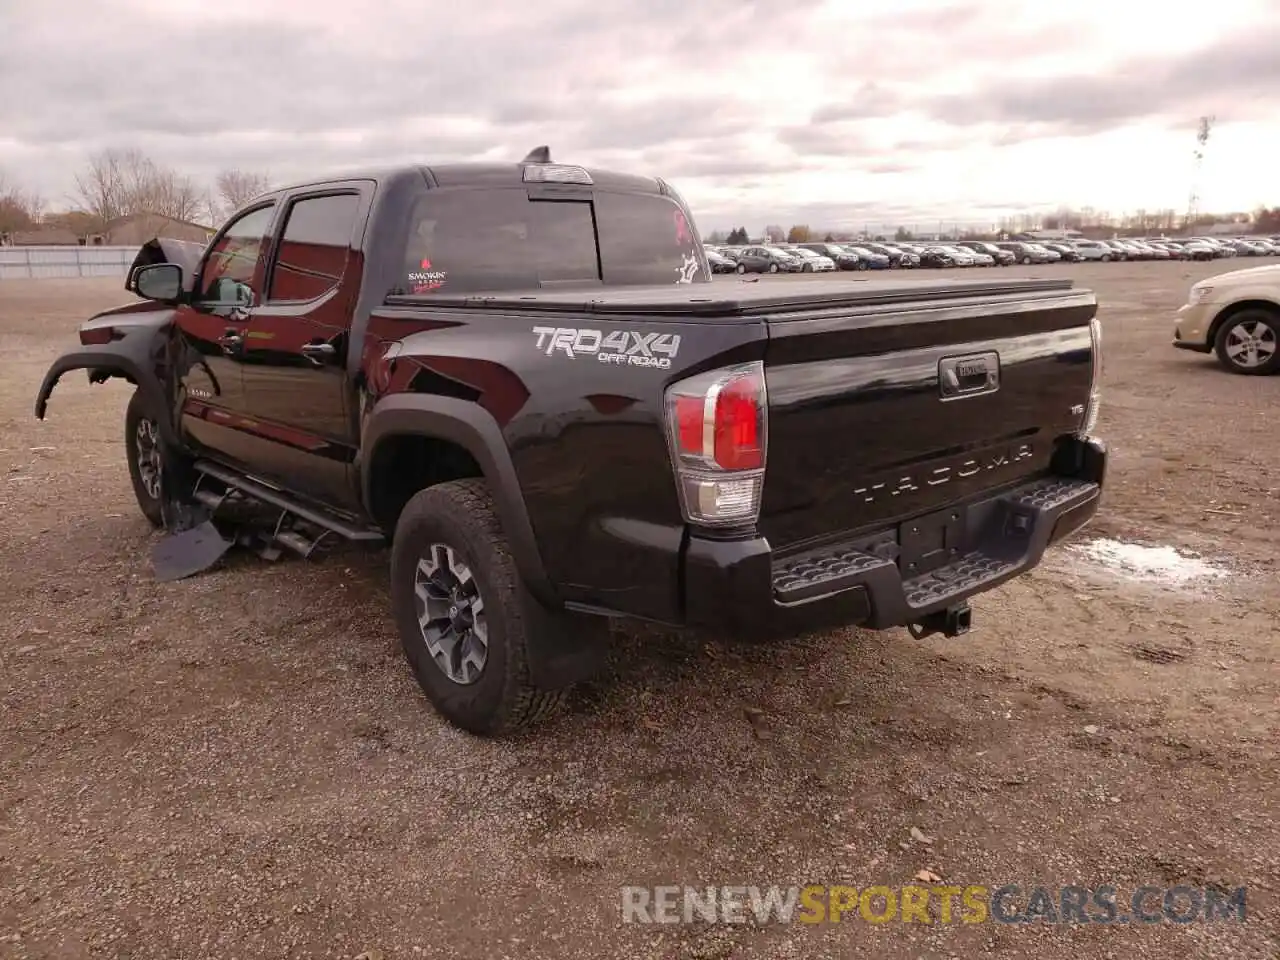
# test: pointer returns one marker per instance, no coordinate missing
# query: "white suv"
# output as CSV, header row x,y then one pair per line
x,y
1237,316
1093,250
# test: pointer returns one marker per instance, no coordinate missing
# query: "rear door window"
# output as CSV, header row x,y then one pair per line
x,y
313,249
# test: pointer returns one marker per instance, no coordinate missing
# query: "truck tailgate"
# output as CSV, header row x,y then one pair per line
x,y
884,411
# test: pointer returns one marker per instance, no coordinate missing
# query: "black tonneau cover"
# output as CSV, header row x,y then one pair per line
x,y
726,299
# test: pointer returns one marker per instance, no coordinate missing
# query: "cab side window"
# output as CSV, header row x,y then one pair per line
x,y
227,276
314,247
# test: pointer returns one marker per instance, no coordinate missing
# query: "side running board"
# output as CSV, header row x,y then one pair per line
x,y
291,527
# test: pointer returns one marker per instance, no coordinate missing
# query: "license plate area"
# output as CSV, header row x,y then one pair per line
x,y
929,542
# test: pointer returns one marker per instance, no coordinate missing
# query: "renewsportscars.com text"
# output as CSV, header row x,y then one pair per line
x,y
975,903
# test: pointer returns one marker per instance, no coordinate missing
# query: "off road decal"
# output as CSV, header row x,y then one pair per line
x,y
687,269
627,348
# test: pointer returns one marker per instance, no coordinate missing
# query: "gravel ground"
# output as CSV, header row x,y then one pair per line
x,y
240,765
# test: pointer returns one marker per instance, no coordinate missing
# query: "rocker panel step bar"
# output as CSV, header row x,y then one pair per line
x,y
278,498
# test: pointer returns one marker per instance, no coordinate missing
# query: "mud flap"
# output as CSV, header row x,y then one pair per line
x,y
563,648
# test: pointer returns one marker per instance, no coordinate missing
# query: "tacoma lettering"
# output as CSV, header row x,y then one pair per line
x,y
940,475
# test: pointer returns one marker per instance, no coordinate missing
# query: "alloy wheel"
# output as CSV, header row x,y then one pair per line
x,y
147,452
451,614
1251,344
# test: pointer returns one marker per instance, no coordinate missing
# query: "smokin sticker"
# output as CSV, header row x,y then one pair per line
x,y
424,279
621,347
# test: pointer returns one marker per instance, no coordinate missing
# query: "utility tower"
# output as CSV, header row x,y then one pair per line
x,y
1202,138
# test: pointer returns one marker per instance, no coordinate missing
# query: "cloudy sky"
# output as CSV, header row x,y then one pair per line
x,y
833,113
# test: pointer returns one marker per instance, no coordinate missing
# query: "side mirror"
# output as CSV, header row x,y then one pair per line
x,y
158,281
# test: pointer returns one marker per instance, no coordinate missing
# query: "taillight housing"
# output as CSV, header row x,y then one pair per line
x,y
718,426
97,336
1090,421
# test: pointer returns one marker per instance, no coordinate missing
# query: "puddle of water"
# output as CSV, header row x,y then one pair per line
x,y
1153,564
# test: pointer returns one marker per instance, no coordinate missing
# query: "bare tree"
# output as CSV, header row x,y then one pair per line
x,y
101,186
238,187
19,209
118,183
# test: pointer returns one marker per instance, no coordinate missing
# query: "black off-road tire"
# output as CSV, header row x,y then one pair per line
x,y
461,515
149,489
1265,324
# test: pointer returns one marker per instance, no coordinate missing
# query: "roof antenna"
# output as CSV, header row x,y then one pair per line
x,y
538,155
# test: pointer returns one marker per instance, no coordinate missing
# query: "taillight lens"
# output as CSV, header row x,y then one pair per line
x,y
718,426
1090,422
97,336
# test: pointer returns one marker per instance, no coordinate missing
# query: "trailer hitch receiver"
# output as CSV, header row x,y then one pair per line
x,y
951,622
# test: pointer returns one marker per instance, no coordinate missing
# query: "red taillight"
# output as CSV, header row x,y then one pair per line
x,y
737,426
691,423
96,336
718,427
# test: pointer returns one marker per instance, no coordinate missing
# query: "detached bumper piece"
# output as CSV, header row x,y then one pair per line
x,y
1008,534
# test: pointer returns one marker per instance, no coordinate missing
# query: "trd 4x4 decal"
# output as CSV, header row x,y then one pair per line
x,y
625,347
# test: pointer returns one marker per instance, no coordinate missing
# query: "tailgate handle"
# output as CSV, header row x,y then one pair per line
x,y
969,376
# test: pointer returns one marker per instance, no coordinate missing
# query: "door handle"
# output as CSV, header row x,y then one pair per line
x,y
318,351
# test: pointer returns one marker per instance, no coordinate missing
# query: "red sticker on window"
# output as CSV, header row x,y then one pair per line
x,y
682,228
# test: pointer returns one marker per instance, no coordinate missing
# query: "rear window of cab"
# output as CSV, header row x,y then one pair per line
x,y
491,239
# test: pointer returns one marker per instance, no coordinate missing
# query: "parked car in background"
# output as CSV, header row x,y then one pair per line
x,y
1066,251
1118,250
843,258
1002,257
1134,250
766,259
1237,316
980,257
810,261
960,257
1197,250
1249,247
898,258
867,256
1028,252
719,263
1220,249
1151,251
936,257
1174,249
1093,250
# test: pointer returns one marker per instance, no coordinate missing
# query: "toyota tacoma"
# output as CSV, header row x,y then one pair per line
x,y
522,377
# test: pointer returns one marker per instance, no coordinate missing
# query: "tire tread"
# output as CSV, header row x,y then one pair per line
x,y
522,704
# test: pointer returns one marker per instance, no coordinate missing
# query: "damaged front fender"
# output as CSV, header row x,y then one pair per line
x,y
131,357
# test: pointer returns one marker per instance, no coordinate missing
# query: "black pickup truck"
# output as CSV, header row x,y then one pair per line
x,y
523,376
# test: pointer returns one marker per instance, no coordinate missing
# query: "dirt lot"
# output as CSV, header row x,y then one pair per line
x,y
241,765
